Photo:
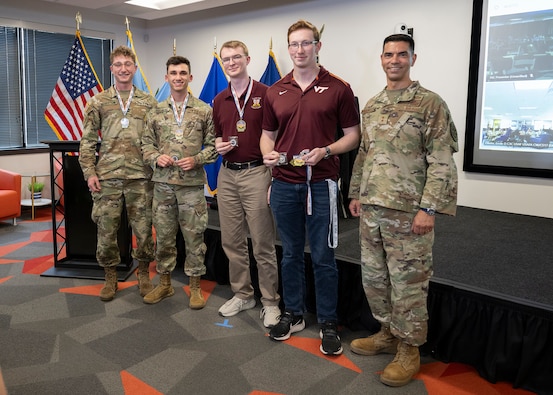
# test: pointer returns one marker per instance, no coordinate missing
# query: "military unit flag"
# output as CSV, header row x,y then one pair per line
x,y
216,81
272,71
139,80
76,84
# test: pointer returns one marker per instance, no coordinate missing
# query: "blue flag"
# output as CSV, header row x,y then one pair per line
x,y
272,72
163,92
216,81
139,79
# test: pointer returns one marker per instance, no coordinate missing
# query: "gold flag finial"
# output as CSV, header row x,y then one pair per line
x,y
215,44
321,31
127,23
271,45
174,47
79,20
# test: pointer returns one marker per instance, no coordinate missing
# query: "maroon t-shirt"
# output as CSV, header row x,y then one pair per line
x,y
308,119
225,116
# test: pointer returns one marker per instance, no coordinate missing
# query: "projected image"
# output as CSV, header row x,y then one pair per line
x,y
519,82
511,130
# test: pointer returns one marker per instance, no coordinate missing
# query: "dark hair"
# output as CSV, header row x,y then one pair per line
x,y
401,37
178,60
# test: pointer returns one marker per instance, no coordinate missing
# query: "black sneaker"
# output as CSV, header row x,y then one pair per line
x,y
330,344
287,325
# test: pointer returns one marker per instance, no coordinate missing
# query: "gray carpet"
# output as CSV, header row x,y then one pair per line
x,y
57,339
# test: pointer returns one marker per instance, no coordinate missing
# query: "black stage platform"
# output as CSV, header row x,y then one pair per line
x,y
490,300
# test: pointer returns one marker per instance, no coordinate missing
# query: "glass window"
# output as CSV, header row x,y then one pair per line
x,y
10,93
30,67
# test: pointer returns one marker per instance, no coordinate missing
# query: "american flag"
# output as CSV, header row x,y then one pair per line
x,y
76,84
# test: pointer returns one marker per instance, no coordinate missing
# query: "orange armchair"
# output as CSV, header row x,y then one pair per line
x,y
10,195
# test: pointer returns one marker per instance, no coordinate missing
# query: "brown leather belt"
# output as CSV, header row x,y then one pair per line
x,y
242,165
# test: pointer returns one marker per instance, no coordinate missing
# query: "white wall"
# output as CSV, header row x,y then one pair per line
x,y
352,41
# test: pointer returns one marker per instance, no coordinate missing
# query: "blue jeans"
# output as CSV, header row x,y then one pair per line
x,y
289,205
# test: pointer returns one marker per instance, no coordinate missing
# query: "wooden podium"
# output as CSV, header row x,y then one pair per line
x,y
75,235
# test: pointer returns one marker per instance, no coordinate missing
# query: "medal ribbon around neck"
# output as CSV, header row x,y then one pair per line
x,y
237,99
179,117
125,108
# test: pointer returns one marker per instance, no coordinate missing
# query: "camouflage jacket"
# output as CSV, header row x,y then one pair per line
x,y
405,160
120,154
197,139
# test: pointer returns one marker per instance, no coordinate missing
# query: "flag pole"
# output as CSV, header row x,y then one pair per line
x,y
174,46
79,20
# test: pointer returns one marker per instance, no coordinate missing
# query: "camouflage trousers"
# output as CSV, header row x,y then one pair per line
x,y
396,270
107,208
184,206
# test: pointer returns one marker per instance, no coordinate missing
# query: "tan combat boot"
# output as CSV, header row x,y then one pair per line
x,y
197,300
110,287
162,291
144,283
381,342
404,366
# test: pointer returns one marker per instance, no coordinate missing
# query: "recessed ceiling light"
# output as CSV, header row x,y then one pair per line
x,y
161,4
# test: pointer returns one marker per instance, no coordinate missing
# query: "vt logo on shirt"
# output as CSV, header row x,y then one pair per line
x,y
320,89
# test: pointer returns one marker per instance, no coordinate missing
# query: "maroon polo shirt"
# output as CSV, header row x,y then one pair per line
x,y
308,119
225,116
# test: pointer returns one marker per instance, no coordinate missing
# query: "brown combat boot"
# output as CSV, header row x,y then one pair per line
x,y
144,283
197,300
110,287
162,291
404,366
380,342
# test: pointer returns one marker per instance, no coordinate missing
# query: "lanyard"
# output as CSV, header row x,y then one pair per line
x,y
179,117
333,226
237,99
124,108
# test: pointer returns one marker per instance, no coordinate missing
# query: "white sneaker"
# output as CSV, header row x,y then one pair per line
x,y
270,316
236,305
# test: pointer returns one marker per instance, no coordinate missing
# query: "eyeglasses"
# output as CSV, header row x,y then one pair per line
x,y
235,58
304,44
119,65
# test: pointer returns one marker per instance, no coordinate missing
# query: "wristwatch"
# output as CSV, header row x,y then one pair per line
x,y
429,211
327,154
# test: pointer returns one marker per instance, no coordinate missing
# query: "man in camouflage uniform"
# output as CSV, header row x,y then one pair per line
x,y
120,177
178,141
403,174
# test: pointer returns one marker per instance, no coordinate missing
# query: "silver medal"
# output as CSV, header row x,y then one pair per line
x,y
125,123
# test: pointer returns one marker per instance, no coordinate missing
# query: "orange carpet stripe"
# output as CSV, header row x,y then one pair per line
x,y
8,261
4,279
42,236
7,249
264,393
207,288
38,265
459,379
133,385
312,346
94,290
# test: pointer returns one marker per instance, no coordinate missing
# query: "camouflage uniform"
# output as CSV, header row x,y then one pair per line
x,y
123,176
405,162
179,195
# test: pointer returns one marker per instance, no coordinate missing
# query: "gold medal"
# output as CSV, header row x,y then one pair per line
x,y
178,134
241,126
